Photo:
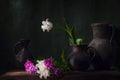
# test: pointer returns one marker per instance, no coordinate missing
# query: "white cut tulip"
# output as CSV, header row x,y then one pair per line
x,y
46,25
42,70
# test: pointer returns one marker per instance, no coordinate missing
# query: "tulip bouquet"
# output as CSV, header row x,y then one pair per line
x,y
43,68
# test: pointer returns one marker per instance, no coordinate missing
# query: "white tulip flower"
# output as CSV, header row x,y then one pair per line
x,y
42,70
40,65
46,25
44,74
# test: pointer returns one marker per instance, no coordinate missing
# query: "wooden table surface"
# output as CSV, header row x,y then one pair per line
x,y
71,75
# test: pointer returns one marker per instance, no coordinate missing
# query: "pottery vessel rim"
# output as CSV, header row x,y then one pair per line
x,y
75,45
101,25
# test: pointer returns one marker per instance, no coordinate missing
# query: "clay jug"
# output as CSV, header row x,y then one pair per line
x,y
22,54
80,58
101,42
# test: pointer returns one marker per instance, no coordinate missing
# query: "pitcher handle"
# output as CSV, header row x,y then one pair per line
x,y
92,52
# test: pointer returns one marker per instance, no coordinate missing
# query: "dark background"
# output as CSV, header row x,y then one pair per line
x,y
22,19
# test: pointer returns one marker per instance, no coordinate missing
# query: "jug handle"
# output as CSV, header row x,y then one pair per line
x,y
92,51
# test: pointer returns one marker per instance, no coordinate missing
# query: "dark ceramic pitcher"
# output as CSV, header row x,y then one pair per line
x,y
102,38
22,54
80,57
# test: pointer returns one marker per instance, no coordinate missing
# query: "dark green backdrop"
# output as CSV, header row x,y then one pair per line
x,y
22,19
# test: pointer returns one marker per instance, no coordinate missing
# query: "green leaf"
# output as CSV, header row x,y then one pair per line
x,y
70,31
57,64
64,62
71,41
63,56
41,58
